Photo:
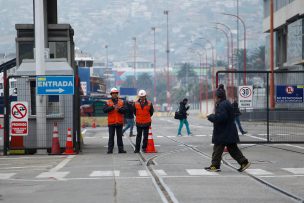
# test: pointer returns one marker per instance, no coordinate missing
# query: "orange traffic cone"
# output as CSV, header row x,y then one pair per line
x,y
69,144
94,124
83,125
225,149
150,146
55,141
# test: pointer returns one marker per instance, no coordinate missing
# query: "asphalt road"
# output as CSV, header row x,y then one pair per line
x,y
173,174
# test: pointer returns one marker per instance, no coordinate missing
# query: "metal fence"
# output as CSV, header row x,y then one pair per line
x,y
281,124
62,110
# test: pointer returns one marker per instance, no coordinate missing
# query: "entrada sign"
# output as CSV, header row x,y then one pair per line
x,y
55,85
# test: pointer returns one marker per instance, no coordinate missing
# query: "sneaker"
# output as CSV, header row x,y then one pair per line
x,y
245,132
244,166
190,134
136,151
213,169
110,152
179,135
122,152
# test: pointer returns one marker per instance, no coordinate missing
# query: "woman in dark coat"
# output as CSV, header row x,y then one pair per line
x,y
224,133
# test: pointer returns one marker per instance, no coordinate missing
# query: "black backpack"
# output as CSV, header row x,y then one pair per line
x,y
178,115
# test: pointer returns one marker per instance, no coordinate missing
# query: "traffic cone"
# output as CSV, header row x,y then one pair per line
x,y
69,144
225,149
94,124
83,125
55,141
150,146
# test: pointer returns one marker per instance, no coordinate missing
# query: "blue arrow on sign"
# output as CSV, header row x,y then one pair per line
x,y
54,85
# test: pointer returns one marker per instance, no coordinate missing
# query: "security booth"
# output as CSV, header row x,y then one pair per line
x,y
60,108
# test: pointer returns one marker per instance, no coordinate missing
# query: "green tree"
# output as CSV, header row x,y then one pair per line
x,y
257,58
144,81
129,81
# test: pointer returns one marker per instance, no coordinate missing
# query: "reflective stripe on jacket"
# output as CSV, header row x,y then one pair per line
x,y
114,117
143,115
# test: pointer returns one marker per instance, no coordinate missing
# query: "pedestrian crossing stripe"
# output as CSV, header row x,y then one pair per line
x,y
160,172
4,176
297,171
143,173
258,172
200,172
57,175
104,173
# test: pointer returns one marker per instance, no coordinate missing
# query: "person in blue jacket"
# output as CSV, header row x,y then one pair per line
x,y
225,133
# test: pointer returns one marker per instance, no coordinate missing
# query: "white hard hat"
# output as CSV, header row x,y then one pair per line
x,y
142,93
114,90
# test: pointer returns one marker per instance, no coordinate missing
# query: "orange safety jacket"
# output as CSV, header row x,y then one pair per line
x,y
114,117
143,113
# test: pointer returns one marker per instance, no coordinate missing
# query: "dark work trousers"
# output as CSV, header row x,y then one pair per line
x,y
140,131
233,150
112,129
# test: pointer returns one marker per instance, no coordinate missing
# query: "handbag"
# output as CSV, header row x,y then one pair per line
x,y
178,115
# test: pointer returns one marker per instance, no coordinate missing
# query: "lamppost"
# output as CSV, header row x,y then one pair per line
x,y
213,67
206,76
107,63
134,79
245,54
231,53
154,64
166,12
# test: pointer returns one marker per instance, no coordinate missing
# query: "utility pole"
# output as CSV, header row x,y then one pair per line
x,y
272,103
39,20
166,12
134,81
154,65
107,65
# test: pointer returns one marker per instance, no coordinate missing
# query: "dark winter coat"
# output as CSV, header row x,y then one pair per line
x,y
183,110
224,128
129,107
236,108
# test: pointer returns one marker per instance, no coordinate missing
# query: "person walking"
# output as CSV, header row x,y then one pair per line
x,y
129,116
237,114
183,120
224,134
115,109
143,111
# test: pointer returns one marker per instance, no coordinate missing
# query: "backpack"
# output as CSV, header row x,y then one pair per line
x,y
178,115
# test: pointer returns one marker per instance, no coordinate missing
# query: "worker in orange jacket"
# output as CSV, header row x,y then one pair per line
x,y
115,110
143,110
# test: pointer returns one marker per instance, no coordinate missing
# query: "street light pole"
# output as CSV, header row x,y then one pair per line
x,y
272,103
166,12
106,71
134,79
245,54
154,64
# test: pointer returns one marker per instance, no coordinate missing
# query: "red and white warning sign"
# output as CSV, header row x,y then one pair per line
x,y
19,118
245,96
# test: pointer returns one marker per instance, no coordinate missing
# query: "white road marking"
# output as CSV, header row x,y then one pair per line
x,y
200,135
296,146
258,172
56,175
200,172
159,136
170,136
297,171
84,131
160,172
62,163
262,134
6,175
104,173
282,134
143,173
105,137
24,167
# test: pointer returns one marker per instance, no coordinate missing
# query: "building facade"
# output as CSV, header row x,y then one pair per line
x,y
288,33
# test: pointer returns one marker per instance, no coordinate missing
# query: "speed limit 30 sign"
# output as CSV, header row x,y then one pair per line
x,y
245,96
19,118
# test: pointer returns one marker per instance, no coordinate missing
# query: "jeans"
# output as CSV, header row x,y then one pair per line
x,y
118,130
233,150
238,123
142,131
130,124
181,123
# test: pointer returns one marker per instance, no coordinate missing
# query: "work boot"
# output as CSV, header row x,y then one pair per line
x,y
244,166
122,151
136,151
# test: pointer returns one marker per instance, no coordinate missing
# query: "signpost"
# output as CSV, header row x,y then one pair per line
x,y
19,118
245,96
54,85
